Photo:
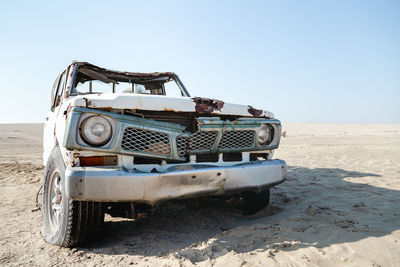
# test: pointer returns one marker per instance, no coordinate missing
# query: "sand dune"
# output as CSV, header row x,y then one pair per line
x,y
340,206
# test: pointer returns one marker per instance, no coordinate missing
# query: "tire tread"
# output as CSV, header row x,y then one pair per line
x,y
84,219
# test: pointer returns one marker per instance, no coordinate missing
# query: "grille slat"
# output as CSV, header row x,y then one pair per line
x,y
237,139
141,140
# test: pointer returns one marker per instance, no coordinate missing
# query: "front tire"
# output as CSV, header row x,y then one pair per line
x,y
66,222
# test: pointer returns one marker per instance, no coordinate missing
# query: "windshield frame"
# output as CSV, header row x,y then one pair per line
x,y
84,72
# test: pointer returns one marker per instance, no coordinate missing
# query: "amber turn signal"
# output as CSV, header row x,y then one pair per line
x,y
98,161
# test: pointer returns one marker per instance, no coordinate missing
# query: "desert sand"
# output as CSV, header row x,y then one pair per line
x,y
339,206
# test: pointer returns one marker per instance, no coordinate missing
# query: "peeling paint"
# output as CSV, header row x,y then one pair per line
x,y
207,105
255,112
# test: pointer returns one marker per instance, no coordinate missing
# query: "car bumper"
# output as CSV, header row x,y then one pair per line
x,y
180,181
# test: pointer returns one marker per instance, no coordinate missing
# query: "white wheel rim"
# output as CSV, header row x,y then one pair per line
x,y
54,201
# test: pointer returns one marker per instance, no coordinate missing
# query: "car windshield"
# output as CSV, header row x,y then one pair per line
x,y
90,79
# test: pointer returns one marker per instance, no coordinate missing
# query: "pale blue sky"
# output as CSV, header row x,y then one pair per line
x,y
306,61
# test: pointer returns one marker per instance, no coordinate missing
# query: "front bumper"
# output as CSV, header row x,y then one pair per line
x,y
180,181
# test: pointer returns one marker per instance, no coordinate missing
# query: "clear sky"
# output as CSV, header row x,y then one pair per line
x,y
306,61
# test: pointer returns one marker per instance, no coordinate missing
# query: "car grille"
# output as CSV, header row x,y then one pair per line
x,y
237,140
140,140
230,140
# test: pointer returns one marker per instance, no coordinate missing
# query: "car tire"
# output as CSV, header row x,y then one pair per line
x,y
251,202
66,222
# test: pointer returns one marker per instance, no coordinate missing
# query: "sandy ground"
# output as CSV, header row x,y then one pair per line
x,y
340,206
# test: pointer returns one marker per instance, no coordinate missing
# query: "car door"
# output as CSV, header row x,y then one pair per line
x,y
49,138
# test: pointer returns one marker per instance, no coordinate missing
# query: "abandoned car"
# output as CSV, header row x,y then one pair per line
x,y
120,142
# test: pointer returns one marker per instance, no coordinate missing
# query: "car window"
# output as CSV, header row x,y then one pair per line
x,y
172,89
95,87
54,91
59,90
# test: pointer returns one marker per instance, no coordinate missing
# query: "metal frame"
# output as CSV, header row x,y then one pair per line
x,y
119,122
220,126
72,139
177,80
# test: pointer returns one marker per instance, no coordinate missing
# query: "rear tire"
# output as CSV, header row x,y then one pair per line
x,y
251,202
66,222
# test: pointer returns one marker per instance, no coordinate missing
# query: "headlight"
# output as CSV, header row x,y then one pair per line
x,y
264,134
96,130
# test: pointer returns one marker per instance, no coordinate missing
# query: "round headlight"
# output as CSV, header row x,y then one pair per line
x,y
264,134
96,130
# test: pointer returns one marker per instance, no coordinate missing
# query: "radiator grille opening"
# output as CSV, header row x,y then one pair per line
x,y
141,160
237,156
258,156
207,157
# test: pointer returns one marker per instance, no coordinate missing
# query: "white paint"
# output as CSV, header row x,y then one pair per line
x,y
154,102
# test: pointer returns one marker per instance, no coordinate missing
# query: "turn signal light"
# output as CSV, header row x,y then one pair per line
x,y
98,161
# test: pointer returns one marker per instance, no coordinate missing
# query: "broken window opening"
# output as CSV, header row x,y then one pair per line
x,y
90,79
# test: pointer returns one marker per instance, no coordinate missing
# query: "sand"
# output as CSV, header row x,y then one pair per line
x,y
339,206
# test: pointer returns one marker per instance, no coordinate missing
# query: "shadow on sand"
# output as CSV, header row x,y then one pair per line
x,y
314,207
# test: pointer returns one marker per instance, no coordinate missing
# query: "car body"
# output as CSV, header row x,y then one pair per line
x,y
135,144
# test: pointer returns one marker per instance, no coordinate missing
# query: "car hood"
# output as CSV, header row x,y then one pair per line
x,y
164,103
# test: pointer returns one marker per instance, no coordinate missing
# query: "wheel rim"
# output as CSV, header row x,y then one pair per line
x,y
54,201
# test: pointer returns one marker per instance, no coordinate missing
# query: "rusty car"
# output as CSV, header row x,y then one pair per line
x,y
121,142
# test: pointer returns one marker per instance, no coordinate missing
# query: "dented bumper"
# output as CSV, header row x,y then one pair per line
x,y
180,181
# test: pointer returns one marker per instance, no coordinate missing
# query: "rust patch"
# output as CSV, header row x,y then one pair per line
x,y
133,76
167,109
88,103
207,105
106,108
67,111
221,183
184,167
75,159
255,112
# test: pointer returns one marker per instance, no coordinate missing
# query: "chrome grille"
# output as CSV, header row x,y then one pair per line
x,y
237,139
202,140
181,145
146,141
